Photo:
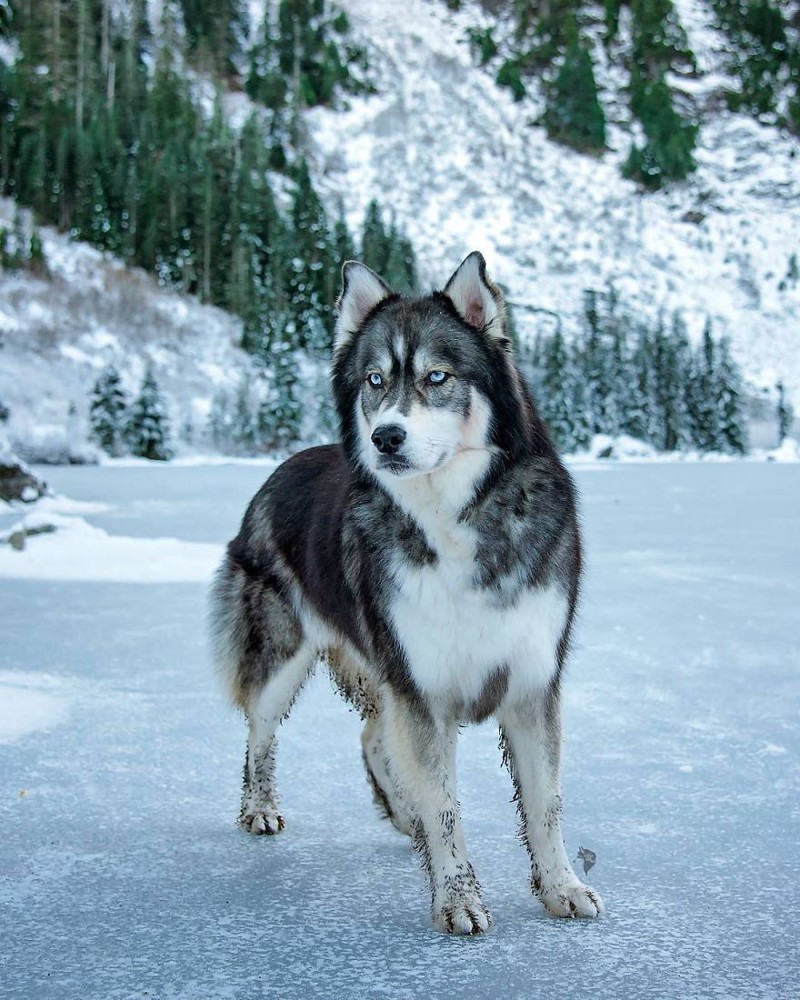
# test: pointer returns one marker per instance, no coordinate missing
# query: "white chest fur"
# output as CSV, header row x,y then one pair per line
x,y
455,635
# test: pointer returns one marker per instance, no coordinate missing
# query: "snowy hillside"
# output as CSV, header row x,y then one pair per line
x,y
57,333
462,166
465,168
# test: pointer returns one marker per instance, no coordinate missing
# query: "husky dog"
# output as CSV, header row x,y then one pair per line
x,y
433,559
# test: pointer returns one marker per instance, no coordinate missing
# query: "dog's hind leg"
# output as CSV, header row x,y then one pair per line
x,y
387,793
531,740
265,710
264,657
356,684
422,752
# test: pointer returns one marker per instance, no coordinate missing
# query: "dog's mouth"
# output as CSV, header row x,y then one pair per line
x,y
397,465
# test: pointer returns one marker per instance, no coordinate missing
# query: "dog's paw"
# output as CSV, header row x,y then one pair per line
x,y
463,915
262,821
570,899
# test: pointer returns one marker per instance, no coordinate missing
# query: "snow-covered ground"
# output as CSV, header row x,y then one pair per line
x,y
124,876
58,333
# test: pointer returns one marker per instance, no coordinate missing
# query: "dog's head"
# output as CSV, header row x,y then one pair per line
x,y
420,381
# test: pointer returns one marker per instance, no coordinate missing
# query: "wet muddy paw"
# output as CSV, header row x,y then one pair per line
x,y
463,916
262,821
572,899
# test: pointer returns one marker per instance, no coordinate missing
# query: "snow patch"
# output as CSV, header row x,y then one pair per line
x,y
29,702
789,451
78,551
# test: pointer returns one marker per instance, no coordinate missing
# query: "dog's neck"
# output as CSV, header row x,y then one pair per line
x,y
436,500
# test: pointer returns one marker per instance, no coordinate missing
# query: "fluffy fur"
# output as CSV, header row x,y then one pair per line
x,y
433,559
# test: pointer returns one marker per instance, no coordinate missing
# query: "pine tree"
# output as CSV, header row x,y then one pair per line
x,y
37,263
658,39
574,115
108,405
668,152
281,414
729,389
554,398
312,283
562,392
578,398
401,267
641,413
704,416
312,54
243,427
265,81
482,44
388,251
670,365
220,421
510,75
10,259
343,246
375,245
681,352
785,414
215,30
596,362
147,428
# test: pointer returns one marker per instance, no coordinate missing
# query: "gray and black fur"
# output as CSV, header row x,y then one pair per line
x,y
341,536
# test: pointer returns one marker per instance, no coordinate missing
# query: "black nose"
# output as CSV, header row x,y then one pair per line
x,y
387,439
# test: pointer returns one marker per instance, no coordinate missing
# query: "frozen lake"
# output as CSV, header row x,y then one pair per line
x,y
123,875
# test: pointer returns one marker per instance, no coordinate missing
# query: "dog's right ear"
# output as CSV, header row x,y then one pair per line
x,y
362,290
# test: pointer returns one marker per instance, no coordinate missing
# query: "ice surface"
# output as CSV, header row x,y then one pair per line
x,y
124,876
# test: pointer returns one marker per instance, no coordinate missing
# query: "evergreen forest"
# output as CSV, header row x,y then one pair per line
x,y
621,376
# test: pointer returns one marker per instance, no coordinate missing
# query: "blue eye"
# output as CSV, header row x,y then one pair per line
x,y
374,378
438,378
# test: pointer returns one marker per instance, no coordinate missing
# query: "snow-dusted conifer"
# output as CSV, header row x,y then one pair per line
x,y
343,246
728,384
577,393
220,421
243,427
640,412
671,362
597,363
108,406
681,352
148,425
375,243
555,400
281,413
704,417
785,414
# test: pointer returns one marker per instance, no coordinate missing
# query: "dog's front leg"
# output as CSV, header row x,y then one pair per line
x,y
531,736
422,754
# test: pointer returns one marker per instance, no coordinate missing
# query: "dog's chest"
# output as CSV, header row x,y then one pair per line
x,y
458,636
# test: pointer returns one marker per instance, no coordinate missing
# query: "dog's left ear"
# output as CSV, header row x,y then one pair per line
x,y
477,299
